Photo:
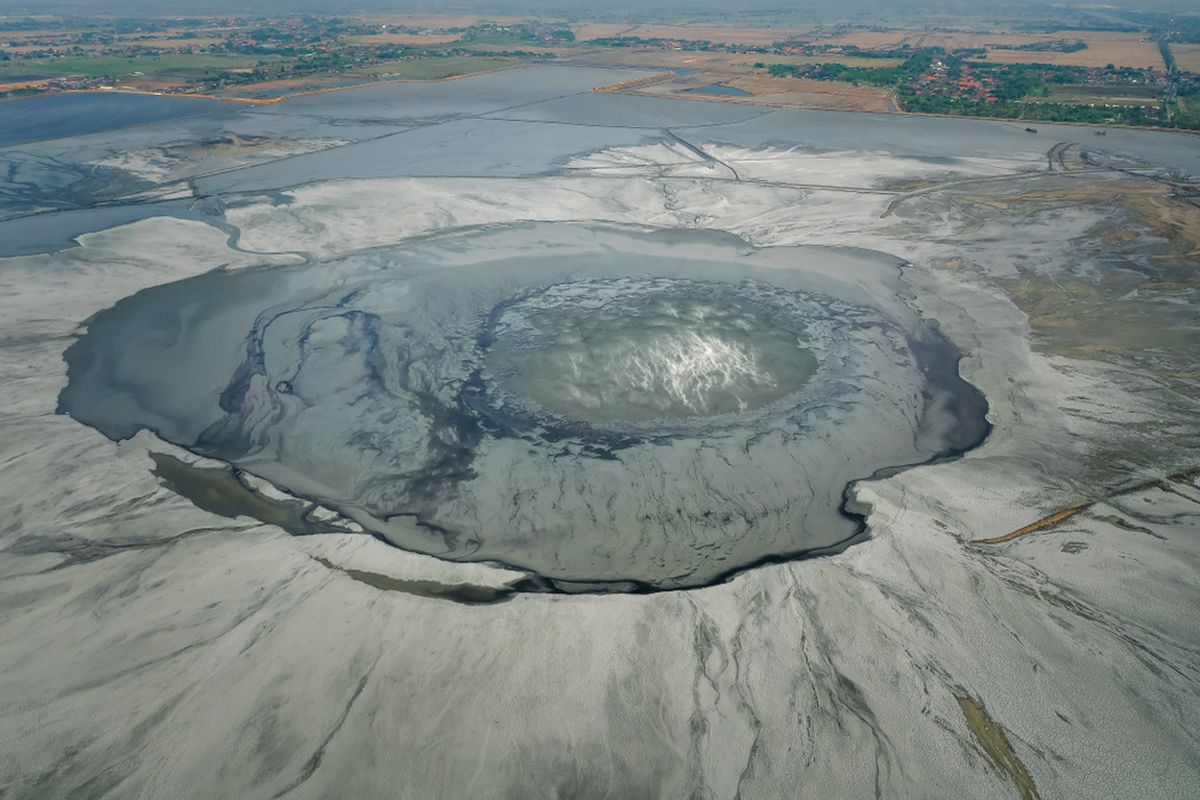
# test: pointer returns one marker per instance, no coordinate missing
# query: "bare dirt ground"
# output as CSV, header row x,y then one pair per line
x,y
814,94
787,92
700,69
1120,49
1187,56
737,70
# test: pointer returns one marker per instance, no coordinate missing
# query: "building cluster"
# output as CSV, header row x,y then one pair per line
x,y
957,83
1155,78
68,83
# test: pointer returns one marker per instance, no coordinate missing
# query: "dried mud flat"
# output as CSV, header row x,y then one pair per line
x,y
800,92
1010,622
733,82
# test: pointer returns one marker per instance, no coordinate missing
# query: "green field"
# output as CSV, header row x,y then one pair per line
x,y
509,39
431,69
118,66
1100,95
849,61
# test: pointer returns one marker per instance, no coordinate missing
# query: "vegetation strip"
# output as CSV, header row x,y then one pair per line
x,y
995,745
1186,478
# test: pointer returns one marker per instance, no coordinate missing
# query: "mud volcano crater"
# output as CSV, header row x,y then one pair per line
x,y
608,409
649,355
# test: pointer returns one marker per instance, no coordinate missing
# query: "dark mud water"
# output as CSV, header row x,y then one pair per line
x,y
606,408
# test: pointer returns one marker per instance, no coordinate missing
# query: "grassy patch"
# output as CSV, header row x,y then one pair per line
x,y
996,747
1100,95
850,61
431,69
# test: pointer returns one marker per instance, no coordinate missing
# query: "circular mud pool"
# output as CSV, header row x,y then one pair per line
x,y
644,351
608,409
